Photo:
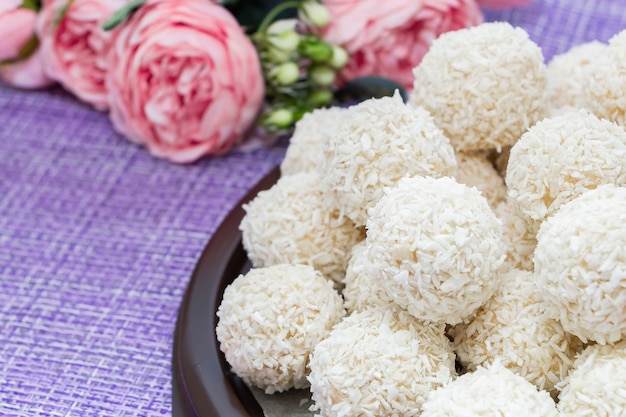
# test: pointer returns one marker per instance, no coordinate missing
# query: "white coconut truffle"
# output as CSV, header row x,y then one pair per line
x,y
605,92
379,362
561,157
484,85
309,138
488,392
360,291
474,169
289,223
434,246
379,141
596,386
519,235
580,264
270,319
569,72
513,329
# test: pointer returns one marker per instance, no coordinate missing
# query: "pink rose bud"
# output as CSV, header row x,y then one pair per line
x,y
184,80
74,49
388,38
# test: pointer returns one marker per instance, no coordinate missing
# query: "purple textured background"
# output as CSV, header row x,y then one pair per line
x,y
98,239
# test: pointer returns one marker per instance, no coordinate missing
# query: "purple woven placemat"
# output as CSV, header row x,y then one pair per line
x,y
98,239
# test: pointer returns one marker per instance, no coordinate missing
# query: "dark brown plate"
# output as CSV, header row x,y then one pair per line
x,y
202,383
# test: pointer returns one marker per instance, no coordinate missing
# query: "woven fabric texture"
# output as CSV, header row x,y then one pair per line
x,y
98,239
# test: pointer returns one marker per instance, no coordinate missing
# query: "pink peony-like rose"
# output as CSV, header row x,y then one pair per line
x,y
502,4
17,27
388,38
27,73
184,79
74,51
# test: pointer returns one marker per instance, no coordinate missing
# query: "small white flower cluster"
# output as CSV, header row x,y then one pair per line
x,y
445,248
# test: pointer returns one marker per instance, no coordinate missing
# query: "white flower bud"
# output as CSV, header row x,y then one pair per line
x,y
322,75
339,58
286,74
285,41
315,12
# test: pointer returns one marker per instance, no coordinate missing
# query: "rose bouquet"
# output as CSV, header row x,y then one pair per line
x,y
190,78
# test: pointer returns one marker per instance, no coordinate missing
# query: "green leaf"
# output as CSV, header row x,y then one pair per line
x,y
32,5
121,15
365,88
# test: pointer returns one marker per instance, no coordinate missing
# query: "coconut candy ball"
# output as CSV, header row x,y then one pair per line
x,y
360,291
484,85
269,321
379,362
513,329
289,223
569,72
434,246
379,141
474,169
519,235
309,138
596,386
605,92
561,157
488,392
580,264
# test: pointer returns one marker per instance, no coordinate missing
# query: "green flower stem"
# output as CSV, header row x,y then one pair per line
x,y
269,18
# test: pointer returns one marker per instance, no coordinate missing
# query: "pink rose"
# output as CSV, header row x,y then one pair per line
x,y
27,73
184,79
502,4
388,38
74,52
17,27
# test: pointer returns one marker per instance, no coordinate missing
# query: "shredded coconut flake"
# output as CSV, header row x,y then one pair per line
x,y
476,170
596,386
270,319
379,362
289,223
360,291
561,157
309,138
569,72
484,85
513,328
378,142
519,235
434,246
605,92
489,392
580,264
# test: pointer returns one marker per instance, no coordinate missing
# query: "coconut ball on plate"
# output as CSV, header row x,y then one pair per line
x,y
379,141
596,386
379,362
474,169
568,73
289,223
487,392
561,157
519,235
360,291
513,329
309,138
580,264
605,92
434,246
484,85
269,321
